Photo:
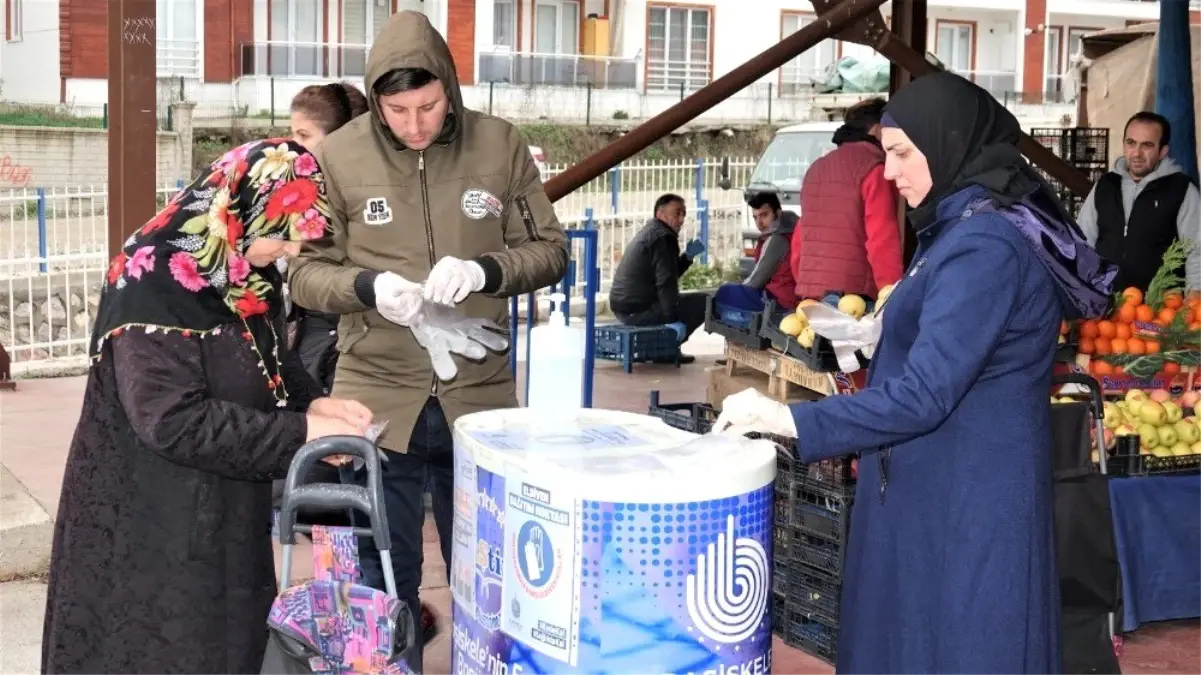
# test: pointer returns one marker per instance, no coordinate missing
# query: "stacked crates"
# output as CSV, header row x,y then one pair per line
x,y
1085,148
812,521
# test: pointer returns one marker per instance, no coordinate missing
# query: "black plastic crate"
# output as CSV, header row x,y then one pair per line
x,y
746,333
697,418
818,358
785,540
636,344
784,502
1149,465
781,578
1085,144
812,635
822,554
818,512
815,594
779,615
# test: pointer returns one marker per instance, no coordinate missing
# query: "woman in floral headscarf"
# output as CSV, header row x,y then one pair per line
x,y
162,558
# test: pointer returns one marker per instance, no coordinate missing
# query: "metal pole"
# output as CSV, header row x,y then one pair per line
x,y
709,96
908,58
132,123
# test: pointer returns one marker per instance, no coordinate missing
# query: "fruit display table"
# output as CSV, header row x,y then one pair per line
x,y
1157,529
785,372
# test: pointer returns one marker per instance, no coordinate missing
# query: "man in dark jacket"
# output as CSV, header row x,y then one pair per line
x,y
1136,211
646,286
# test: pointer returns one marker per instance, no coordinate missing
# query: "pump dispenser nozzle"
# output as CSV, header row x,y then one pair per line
x,y
556,308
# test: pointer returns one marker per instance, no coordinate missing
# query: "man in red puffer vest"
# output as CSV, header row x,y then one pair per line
x,y
848,238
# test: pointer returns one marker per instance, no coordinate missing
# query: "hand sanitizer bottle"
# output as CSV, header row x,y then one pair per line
x,y
556,362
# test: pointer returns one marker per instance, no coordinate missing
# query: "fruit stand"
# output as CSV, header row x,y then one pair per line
x,y
1145,355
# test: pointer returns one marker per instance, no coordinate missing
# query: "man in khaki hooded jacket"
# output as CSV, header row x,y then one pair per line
x,y
423,191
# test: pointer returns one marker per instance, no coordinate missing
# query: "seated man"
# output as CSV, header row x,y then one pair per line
x,y
772,277
646,285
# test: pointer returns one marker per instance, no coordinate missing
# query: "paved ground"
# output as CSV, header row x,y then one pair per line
x,y
37,422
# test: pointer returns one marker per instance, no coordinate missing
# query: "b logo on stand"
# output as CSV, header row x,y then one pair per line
x,y
729,608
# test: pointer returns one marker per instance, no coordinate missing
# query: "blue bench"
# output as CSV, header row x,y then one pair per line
x,y
636,344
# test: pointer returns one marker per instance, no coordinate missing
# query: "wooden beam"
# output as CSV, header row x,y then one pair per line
x,y
133,127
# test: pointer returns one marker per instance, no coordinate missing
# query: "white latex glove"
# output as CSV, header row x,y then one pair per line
x,y
442,333
397,299
748,411
452,279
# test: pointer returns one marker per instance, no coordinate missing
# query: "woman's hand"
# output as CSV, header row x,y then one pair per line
x,y
351,412
748,411
320,426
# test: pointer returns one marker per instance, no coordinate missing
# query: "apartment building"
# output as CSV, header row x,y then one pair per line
x,y
253,54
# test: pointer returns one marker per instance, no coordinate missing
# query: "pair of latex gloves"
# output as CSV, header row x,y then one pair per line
x,y
427,310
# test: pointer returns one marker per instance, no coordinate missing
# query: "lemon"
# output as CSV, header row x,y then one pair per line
x,y
807,337
852,305
793,324
883,294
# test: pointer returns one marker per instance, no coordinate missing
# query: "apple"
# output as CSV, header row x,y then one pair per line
x,y
1153,412
1125,429
1149,436
1161,451
1096,459
1160,395
1195,448
1111,440
1132,407
1181,449
1175,412
1167,436
1187,432
1136,395
1113,415
1189,399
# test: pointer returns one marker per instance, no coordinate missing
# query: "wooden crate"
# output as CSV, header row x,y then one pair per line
x,y
787,375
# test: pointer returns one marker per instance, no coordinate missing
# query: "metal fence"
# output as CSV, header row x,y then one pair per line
x,y
53,244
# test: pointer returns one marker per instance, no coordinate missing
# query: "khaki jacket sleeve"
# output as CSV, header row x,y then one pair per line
x,y
536,246
322,278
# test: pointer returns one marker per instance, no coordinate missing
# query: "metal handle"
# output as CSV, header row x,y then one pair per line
x,y
369,500
1094,389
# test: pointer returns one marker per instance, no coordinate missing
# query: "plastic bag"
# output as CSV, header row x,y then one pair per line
x,y
371,433
443,331
846,334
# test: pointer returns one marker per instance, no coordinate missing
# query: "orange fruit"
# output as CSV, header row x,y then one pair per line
x,y
1133,296
1106,328
1195,327
1144,313
1087,346
1194,296
1102,367
1166,315
1126,313
1151,346
1117,346
1123,331
1103,346
1173,300
1189,315
1170,367
1136,346
1088,329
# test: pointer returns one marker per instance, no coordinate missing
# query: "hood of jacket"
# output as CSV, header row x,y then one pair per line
x,y
1131,188
784,224
409,40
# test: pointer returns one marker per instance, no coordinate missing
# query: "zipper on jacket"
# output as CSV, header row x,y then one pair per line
x,y
429,234
527,219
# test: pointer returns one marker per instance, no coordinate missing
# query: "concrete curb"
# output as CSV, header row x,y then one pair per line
x,y
26,531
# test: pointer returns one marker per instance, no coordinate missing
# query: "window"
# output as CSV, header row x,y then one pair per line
x,y
1075,43
800,72
953,46
14,20
678,48
295,36
178,46
362,21
1053,70
557,28
504,24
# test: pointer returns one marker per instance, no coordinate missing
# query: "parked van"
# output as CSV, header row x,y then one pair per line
x,y
780,169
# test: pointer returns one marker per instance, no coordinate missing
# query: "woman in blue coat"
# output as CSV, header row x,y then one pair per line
x,y
950,567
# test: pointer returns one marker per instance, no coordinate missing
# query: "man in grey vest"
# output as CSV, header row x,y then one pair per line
x,y
1135,212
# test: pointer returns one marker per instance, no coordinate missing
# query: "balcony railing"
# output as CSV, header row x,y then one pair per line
x,y
177,58
562,70
669,76
286,58
999,83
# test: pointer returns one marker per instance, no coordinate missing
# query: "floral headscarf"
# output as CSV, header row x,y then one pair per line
x,y
185,270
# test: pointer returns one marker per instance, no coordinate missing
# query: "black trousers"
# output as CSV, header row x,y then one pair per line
x,y
690,311
429,462
316,344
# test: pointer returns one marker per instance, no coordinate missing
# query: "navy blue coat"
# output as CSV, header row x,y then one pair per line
x,y
950,566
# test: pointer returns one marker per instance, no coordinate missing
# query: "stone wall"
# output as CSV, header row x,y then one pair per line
x,y
57,157
55,308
